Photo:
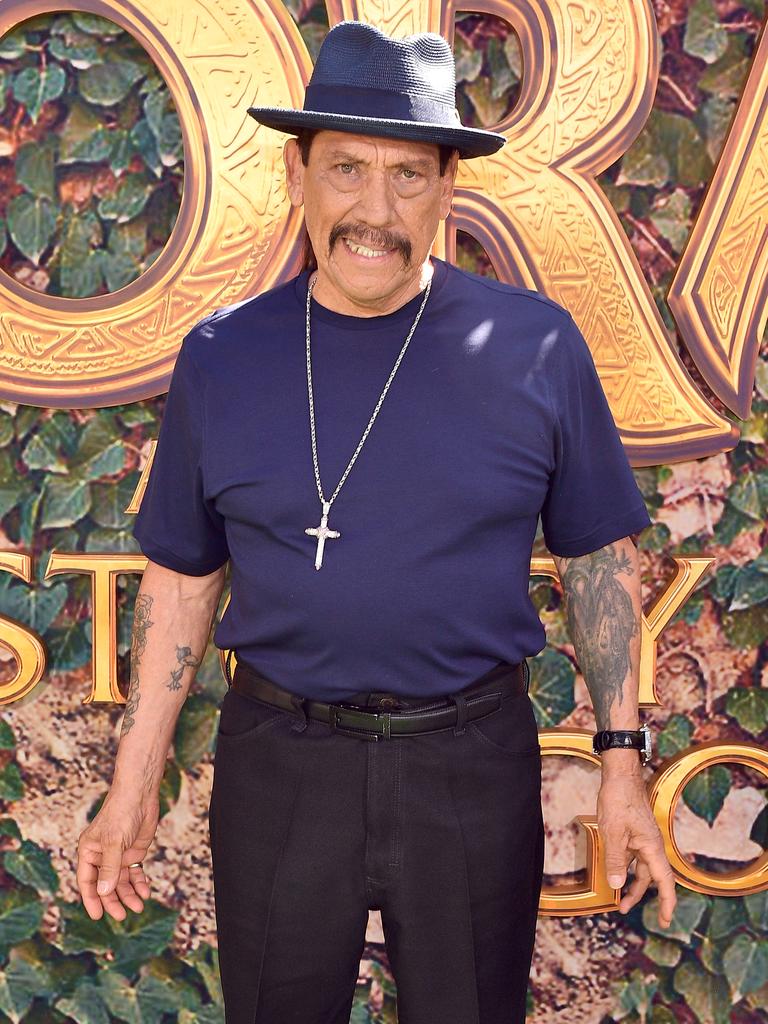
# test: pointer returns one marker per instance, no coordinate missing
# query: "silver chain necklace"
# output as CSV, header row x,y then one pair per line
x,y
322,532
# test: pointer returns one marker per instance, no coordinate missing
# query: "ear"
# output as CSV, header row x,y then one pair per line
x,y
447,183
294,168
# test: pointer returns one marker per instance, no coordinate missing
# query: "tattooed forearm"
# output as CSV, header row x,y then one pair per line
x,y
141,623
185,657
601,622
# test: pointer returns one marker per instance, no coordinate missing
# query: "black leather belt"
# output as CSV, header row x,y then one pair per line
x,y
411,716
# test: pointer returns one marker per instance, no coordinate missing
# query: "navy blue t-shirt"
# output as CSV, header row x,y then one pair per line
x,y
495,416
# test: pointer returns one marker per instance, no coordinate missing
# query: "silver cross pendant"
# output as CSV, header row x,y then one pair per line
x,y
321,532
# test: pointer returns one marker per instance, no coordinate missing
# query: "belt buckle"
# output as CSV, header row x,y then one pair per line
x,y
380,719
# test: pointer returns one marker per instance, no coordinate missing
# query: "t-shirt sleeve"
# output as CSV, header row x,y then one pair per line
x,y
176,526
592,498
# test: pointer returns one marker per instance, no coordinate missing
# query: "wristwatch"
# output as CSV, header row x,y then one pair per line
x,y
638,738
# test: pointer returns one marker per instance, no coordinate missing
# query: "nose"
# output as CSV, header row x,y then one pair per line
x,y
377,201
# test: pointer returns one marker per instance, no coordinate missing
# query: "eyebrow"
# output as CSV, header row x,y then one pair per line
x,y
341,154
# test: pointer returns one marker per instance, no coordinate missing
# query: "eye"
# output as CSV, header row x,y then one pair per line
x,y
345,165
409,171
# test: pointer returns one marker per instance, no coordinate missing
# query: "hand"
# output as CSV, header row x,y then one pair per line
x,y
119,835
629,831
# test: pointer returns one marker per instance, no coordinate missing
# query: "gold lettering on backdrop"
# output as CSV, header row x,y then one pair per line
x,y
26,646
589,79
235,235
665,791
103,570
719,294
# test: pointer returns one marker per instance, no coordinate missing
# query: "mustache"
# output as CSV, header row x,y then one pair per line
x,y
373,239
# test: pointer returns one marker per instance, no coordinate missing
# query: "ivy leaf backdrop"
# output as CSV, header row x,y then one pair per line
x,y
91,172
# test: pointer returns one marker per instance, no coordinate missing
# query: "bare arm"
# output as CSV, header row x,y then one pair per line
x,y
603,606
172,619
604,612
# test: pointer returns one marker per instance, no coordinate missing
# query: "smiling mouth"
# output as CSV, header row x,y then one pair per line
x,y
363,250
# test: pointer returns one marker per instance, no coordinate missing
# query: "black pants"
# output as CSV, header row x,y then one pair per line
x,y
442,833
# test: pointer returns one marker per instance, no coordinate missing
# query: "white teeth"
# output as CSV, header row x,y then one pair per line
x,y
363,250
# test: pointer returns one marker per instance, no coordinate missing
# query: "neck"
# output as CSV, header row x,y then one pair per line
x,y
329,297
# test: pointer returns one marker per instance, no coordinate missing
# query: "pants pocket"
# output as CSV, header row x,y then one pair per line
x,y
241,716
511,731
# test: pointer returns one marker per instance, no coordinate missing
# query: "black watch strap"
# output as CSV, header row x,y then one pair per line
x,y
607,738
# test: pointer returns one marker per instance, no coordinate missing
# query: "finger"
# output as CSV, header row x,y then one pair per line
x,y
111,865
637,889
616,859
133,888
87,874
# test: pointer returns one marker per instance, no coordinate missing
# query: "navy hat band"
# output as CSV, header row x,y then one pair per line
x,y
366,102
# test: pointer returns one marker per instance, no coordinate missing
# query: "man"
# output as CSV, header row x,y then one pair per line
x,y
377,747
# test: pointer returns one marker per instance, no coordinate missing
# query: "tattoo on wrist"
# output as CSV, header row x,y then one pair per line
x,y
601,622
141,623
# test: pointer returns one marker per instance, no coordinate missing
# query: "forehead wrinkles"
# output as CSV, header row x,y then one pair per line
x,y
379,155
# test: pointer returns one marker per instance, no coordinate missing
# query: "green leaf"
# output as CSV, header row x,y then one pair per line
x,y
20,915
675,736
8,826
101,451
551,687
727,915
756,905
706,994
170,145
7,742
35,86
65,501
144,141
31,865
85,1005
51,444
35,168
68,647
689,909
704,36
29,506
663,952
110,501
744,495
75,48
95,25
706,792
11,788
119,270
671,218
13,44
745,629
108,84
129,200
195,730
759,831
31,223
36,606
746,965
727,75
117,541
170,787
79,261
751,588
79,933
20,982
749,706
75,134
141,936
469,60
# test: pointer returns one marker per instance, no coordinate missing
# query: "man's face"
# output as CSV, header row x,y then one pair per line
x,y
384,194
